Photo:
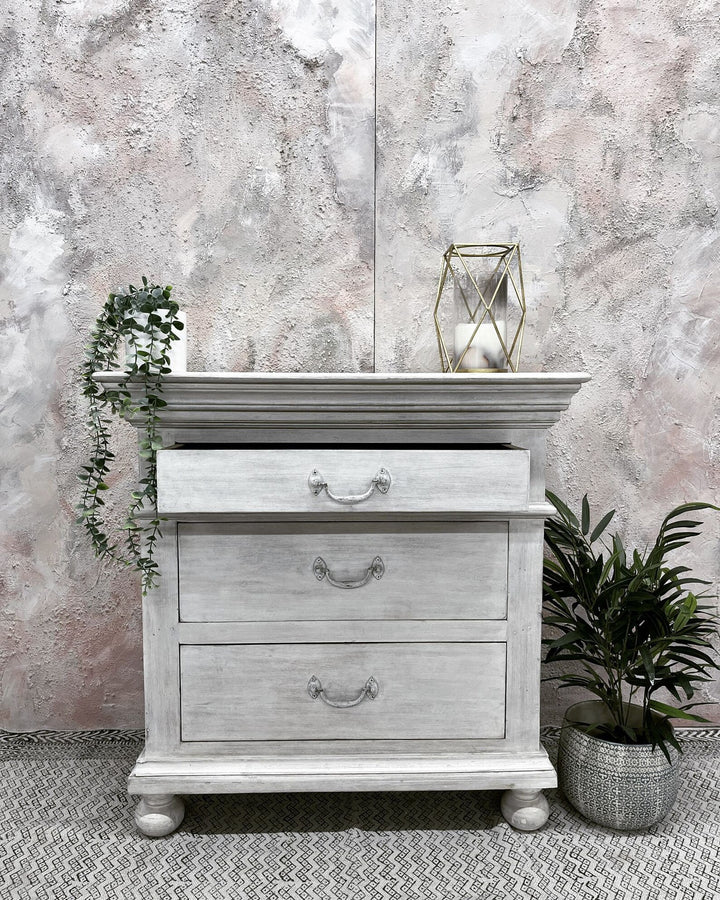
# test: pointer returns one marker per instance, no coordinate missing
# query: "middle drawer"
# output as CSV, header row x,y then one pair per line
x,y
230,572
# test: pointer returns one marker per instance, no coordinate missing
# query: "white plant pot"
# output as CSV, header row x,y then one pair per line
x,y
178,349
622,786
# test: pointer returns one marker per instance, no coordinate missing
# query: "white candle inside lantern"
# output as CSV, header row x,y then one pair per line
x,y
485,351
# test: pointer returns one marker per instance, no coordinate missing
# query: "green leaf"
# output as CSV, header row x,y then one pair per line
x,y
601,526
682,652
585,515
564,510
619,551
570,638
648,663
674,712
607,568
685,684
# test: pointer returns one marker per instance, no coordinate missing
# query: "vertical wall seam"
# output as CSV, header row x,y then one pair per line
x,y
375,176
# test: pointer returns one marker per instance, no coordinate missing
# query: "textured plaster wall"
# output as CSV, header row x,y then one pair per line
x,y
223,147
588,131
229,148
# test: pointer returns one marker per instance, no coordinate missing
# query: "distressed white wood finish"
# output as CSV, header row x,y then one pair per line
x,y
160,650
358,762
361,631
396,772
377,748
209,407
526,810
159,814
449,424
255,572
259,692
276,481
524,624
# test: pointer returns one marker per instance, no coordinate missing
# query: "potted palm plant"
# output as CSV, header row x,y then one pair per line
x,y
640,641
145,321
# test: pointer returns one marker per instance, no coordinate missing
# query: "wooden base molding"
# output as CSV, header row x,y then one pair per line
x,y
227,776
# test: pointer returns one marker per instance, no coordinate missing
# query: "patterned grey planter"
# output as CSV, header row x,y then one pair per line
x,y
621,786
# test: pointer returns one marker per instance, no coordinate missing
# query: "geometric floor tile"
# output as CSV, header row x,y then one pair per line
x,y
67,833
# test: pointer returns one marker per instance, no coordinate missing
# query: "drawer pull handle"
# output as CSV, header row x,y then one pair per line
x,y
380,482
315,689
376,570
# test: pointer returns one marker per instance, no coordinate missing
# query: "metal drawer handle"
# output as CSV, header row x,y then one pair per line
x,y
376,570
315,689
380,482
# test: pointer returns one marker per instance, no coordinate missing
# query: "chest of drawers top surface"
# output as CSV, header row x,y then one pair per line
x,y
207,407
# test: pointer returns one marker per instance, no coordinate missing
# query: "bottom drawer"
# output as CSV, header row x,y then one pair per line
x,y
281,692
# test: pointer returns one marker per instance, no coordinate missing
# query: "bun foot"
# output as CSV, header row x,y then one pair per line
x,y
525,810
159,814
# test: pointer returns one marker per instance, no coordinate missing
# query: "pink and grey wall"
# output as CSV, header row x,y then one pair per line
x,y
295,170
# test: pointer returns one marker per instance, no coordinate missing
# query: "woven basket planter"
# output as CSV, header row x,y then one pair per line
x,y
622,786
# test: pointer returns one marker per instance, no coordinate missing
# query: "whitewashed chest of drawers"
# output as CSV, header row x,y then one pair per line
x,y
351,588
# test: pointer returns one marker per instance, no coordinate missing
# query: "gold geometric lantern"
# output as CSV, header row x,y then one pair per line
x,y
480,304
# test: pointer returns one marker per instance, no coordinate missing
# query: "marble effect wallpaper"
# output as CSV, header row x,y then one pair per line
x,y
295,169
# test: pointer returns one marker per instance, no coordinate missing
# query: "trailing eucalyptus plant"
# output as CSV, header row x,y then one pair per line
x,y
629,623
145,320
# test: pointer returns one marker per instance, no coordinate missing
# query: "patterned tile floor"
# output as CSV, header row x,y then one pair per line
x,y
66,833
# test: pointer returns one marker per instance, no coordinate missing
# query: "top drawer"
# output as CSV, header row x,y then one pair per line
x,y
332,481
